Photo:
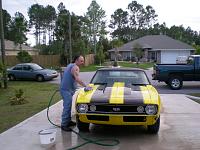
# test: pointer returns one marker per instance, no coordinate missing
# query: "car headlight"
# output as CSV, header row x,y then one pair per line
x,y
47,74
151,109
82,108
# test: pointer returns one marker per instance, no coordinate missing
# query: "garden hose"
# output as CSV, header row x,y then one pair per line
x,y
102,142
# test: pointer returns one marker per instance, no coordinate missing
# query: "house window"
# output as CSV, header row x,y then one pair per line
x,y
153,55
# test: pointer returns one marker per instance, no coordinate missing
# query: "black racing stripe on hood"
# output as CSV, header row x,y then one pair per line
x,y
102,94
133,95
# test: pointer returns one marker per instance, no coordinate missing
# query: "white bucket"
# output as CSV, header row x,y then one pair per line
x,y
47,136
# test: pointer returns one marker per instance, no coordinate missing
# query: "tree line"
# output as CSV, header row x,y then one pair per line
x,y
89,33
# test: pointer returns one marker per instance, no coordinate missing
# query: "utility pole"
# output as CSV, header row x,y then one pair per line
x,y
2,46
70,38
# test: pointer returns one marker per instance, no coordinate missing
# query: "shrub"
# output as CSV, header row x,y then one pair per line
x,y
1,73
64,59
24,57
18,99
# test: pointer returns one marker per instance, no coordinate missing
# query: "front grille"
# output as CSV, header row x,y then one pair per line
x,y
98,118
134,119
115,109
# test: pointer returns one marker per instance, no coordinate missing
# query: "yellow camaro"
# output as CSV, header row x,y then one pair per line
x,y
119,96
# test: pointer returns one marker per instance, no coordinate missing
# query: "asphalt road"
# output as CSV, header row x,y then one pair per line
x,y
188,86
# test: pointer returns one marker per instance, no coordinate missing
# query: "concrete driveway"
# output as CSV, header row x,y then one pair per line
x,y
179,127
179,130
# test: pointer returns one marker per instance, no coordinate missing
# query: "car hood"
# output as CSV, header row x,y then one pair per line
x,y
46,71
119,93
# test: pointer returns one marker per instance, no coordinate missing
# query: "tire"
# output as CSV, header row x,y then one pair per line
x,y
11,77
175,82
153,129
81,125
39,78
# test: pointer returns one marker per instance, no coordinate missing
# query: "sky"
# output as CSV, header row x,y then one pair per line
x,y
172,12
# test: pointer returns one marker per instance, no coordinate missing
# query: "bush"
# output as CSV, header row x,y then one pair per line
x,y
100,57
64,59
115,64
24,57
1,73
18,99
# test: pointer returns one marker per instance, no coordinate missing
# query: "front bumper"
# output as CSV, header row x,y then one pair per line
x,y
112,119
49,77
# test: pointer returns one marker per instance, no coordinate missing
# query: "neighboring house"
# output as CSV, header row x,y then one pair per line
x,y
12,49
158,48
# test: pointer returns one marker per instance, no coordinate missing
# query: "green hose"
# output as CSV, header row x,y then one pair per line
x,y
101,142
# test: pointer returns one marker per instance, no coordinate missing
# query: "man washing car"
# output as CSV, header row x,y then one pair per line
x,y
67,90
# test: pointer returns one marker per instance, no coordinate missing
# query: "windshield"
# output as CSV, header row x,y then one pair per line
x,y
134,77
36,67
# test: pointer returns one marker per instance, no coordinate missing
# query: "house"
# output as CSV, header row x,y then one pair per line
x,y
12,49
157,48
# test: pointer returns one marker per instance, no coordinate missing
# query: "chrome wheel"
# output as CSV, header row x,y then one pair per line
x,y
175,82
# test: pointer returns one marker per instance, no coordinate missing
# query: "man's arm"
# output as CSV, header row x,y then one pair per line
x,y
75,73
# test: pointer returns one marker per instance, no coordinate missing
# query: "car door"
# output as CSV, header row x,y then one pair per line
x,y
27,72
197,68
17,71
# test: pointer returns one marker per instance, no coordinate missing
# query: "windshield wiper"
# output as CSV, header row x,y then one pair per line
x,y
139,84
100,83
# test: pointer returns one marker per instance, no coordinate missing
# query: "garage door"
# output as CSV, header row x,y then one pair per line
x,y
169,57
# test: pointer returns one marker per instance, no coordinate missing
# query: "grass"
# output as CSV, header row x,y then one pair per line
x,y
134,65
196,95
92,67
122,64
37,94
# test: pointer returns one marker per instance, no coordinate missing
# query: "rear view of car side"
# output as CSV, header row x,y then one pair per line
x,y
119,97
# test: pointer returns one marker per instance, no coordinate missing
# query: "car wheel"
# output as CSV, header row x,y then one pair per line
x,y
11,77
40,78
153,129
81,125
175,82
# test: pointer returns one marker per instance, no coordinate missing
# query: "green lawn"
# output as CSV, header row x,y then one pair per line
x,y
37,94
196,95
122,64
89,68
134,65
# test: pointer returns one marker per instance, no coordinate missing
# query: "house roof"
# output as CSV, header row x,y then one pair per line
x,y
10,45
156,42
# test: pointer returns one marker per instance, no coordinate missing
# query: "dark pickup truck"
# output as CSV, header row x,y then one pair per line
x,y
174,74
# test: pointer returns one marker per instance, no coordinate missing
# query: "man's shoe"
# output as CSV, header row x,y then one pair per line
x,y
66,128
71,123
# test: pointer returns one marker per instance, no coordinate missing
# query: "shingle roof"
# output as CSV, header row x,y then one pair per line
x,y
9,45
156,42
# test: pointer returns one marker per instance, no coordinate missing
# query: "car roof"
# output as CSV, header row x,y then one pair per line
x,y
120,69
26,64
195,55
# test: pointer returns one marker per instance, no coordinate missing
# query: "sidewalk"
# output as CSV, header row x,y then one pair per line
x,y
179,130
